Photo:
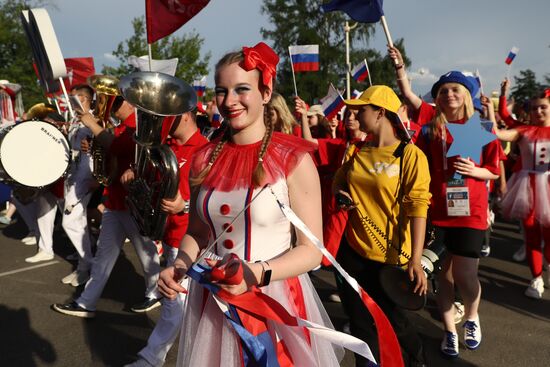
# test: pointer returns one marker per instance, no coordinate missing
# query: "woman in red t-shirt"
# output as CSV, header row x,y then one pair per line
x,y
461,231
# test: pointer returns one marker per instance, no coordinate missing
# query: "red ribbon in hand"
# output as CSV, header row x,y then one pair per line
x,y
220,273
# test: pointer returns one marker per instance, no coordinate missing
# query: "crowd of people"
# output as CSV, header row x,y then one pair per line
x,y
374,184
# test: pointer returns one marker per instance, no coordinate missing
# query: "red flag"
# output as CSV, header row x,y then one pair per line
x,y
164,17
78,70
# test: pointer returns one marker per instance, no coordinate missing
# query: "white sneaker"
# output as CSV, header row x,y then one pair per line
x,y
80,278
69,278
449,344
536,288
519,255
29,240
472,334
40,256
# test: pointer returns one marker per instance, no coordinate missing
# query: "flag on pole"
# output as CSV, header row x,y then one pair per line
x,y
511,55
355,94
304,58
168,66
164,17
360,72
363,11
332,103
199,85
78,70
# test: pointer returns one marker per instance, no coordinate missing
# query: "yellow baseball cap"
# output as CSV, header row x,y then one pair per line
x,y
378,95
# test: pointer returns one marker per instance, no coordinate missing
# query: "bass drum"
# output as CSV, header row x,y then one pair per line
x,y
33,153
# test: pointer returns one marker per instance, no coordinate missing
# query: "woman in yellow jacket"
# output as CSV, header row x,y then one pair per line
x,y
386,183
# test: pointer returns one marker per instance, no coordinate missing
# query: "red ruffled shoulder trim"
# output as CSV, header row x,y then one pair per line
x,y
235,164
533,133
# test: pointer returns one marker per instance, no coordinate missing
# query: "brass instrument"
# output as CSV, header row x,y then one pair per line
x,y
106,89
156,96
40,111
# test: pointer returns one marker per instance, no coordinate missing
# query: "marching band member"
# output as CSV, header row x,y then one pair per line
x,y
230,170
185,138
117,223
46,209
78,189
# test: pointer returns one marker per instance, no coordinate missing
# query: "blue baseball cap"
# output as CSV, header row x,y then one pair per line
x,y
454,77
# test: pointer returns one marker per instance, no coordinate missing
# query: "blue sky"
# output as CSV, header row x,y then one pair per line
x,y
440,35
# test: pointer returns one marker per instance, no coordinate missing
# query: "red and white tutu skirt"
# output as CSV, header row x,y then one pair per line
x,y
208,339
528,194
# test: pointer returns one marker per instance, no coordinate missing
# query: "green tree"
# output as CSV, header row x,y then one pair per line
x,y
186,48
525,86
301,22
15,52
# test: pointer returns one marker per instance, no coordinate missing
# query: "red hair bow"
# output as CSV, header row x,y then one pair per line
x,y
263,58
547,93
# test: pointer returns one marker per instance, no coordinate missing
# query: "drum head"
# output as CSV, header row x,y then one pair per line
x,y
34,153
398,287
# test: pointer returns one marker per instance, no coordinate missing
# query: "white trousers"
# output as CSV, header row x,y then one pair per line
x,y
75,223
46,203
116,226
168,325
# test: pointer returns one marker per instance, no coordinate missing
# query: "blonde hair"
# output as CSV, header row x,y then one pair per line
x,y
439,120
285,120
258,174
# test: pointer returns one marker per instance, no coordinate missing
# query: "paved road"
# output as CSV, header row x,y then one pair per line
x,y
516,330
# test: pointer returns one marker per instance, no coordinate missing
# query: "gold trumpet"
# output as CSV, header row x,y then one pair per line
x,y
106,90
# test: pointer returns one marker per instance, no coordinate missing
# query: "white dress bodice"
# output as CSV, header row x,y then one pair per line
x,y
261,232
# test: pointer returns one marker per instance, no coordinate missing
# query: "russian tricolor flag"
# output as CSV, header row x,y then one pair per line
x,y
332,103
304,58
216,117
513,52
199,86
360,72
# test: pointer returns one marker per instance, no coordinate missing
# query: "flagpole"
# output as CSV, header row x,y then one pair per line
x,y
368,73
388,35
293,76
150,56
71,112
348,66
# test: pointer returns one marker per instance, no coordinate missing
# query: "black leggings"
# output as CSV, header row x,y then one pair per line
x,y
362,325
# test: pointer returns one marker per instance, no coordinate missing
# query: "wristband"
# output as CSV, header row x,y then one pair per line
x,y
266,274
399,66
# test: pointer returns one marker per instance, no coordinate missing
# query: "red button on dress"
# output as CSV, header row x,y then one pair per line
x,y
228,244
228,227
225,209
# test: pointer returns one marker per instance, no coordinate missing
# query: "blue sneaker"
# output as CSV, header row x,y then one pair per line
x,y
449,345
472,334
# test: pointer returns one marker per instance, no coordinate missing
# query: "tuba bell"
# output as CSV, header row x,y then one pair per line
x,y
106,90
158,98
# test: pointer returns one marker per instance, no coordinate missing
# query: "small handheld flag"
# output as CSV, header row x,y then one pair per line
x,y
199,86
361,71
304,58
332,103
511,55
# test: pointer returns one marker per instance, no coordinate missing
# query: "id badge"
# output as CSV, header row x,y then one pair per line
x,y
458,198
